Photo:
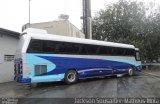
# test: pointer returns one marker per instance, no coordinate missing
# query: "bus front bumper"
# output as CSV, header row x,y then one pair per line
x,y
22,80
138,68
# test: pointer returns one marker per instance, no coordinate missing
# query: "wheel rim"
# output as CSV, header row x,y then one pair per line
x,y
130,72
71,77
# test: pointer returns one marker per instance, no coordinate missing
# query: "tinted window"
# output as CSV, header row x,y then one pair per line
x,y
86,49
129,52
92,49
57,47
68,48
49,46
115,51
83,49
35,46
121,51
103,50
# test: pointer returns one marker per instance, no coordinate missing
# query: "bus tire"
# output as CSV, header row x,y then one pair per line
x,y
130,72
71,77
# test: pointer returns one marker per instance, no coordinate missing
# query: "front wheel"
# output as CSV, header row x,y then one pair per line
x,y
130,72
71,77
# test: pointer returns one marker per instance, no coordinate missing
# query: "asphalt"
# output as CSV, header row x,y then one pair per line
x,y
143,85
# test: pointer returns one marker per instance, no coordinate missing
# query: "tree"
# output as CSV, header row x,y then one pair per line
x,y
128,22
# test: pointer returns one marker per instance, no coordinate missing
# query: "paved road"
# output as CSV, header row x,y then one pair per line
x,y
141,86
136,86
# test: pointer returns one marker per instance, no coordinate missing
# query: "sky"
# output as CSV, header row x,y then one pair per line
x,y
15,13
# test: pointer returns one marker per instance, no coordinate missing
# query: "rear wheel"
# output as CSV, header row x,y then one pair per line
x,y
71,77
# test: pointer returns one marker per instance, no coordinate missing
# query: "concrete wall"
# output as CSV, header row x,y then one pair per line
x,y
60,27
8,46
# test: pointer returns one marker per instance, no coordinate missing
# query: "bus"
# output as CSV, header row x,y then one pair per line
x,y
43,57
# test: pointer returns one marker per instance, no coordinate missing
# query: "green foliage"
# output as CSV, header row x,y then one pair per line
x,y
132,23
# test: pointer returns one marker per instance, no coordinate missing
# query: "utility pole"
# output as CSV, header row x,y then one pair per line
x,y
29,13
87,19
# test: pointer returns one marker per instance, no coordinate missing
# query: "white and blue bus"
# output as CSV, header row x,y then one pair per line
x,y
43,57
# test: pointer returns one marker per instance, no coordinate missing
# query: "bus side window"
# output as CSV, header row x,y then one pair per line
x,y
59,48
102,50
120,51
114,51
92,49
35,46
83,49
68,48
76,48
49,46
98,50
127,52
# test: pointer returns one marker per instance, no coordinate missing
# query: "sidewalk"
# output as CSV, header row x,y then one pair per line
x,y
12,89
153,72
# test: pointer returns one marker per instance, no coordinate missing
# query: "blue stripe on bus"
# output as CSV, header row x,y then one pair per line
x,y
33,60
48,78
124,61
60,65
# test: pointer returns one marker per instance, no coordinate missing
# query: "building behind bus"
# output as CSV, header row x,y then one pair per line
x,y
9,41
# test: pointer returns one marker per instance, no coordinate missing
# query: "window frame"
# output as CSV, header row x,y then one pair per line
x,y
40,69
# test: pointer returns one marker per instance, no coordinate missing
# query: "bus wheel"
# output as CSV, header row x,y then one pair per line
x,y
71,77
130,71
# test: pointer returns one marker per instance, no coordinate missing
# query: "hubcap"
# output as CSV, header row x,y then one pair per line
x,y
71,77
130,71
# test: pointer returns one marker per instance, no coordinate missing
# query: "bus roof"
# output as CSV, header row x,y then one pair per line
x,y
45,36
